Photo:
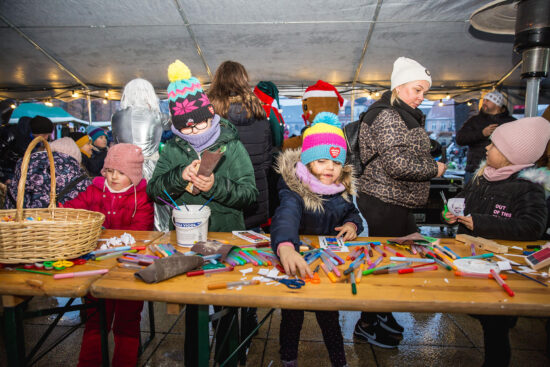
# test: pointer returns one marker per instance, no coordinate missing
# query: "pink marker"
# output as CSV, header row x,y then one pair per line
x,y
81,274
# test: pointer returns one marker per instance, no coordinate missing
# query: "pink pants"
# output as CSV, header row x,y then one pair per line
x,y
127,316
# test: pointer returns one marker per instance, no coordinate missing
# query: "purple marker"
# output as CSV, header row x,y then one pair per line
x,y
375,263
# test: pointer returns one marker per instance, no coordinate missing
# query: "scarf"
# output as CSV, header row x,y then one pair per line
x,y
494,174
413,117
200,142
307,178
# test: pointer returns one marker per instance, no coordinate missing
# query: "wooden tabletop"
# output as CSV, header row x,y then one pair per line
x,y
434,291
16,283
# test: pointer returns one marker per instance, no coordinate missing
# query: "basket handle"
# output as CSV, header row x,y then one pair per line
x,y
23,179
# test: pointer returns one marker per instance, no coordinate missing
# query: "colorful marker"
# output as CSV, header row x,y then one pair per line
x,y
222,285
77,274
502,283
202,272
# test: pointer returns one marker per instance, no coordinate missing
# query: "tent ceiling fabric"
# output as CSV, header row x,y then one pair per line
x,y
293,43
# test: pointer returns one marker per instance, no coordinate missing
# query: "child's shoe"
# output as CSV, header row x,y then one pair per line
x,y
293,363
375,334
388,322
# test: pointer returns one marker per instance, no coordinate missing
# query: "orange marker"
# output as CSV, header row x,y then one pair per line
x,y
329,274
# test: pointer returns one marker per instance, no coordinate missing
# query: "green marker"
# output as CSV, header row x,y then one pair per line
x,y
353,285
370,271
484,256
33,271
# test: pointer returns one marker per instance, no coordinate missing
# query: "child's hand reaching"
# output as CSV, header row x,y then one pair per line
x,y
449,217
348,230
191,170
468,221
292,261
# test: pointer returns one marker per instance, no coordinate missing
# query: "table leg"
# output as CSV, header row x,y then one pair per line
x,y
104,334
203,329
13,335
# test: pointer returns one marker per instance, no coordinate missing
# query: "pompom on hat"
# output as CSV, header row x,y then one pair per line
x,y
408,70
125,158
495,97
324,140
522,141
188,103
67,146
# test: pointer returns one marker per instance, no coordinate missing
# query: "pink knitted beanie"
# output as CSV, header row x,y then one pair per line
x,y
125,158
67,146
522,141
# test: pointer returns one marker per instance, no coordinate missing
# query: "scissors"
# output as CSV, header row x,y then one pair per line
x,y
290,283
445,207
62,264
315,279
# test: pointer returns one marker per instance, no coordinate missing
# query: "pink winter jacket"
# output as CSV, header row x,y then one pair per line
x,y
129,210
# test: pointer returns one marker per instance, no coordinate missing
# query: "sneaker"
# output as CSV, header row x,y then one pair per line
x,y
388,322
376,335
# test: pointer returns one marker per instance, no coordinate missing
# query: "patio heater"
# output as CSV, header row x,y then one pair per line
x,y
529,21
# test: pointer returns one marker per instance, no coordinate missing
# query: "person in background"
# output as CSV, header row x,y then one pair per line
x,y
316,192
506,200
476,130
83,142
98,139
267,92
231,185
395,151
70,177
120,194
140,122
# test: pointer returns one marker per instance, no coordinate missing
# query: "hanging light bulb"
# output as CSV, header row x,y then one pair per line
x,y
48,103
13,106
107,93
377,94
74,94
448,97
104,101
469,103
440,104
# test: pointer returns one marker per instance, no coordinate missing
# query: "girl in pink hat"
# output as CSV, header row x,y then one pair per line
x,y
506,200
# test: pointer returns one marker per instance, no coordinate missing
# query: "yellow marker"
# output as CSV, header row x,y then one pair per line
x,y
446,259
360,274
329,274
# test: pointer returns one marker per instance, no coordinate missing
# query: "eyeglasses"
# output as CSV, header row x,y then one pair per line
x,y
190,126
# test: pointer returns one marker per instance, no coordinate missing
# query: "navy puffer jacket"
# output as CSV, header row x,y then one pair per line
x,y
303,212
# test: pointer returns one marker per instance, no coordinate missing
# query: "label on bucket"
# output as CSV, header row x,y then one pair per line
x,y
187,225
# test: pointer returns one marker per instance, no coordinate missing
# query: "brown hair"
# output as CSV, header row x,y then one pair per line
x,y
230,82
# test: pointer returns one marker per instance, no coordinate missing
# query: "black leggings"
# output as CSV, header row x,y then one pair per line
x,y
384,220
291,326
496,338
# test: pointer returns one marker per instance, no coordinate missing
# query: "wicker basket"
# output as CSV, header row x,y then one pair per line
x,y
61,234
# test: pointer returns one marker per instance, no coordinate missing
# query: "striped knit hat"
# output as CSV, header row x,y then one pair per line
x,y
188,102
324,140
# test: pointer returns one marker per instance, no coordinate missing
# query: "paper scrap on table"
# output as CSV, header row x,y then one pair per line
x,y
525,269
263,271
516,248
274,273
505,259
504,265
456,206
246,271
446,280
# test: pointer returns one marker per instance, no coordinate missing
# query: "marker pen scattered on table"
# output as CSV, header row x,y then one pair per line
x,y
389,249
353,285
484,256
33,271
130,266
417,270
411,259
202,272
477,275
77,274
222,285
113,254
502,283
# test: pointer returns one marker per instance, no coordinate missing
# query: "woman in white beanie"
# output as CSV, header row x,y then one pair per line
x,y
395,151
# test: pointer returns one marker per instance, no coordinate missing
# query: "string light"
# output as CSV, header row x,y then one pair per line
x,y
440,104
448,97
13,106
107,93
377,94
74,94
48,103
104,101
469,103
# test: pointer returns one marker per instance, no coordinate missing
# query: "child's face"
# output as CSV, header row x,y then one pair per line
x,y
101,142
495,158
198,128
326,170
116,179
87,148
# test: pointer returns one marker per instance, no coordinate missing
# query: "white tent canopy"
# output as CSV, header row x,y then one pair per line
x,y
51,46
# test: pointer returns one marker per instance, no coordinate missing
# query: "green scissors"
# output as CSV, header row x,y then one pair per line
x,y
445,207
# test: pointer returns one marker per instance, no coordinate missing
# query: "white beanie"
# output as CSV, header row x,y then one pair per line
x,y
495,97
407,70
67,146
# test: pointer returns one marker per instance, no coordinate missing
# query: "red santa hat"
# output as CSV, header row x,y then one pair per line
x,y
323,89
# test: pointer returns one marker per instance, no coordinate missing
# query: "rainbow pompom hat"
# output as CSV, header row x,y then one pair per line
x,y
324,140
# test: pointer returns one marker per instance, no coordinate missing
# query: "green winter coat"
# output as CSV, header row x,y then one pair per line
x,y
234,185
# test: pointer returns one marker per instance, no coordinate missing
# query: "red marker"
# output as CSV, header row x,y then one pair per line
x,y
417,270
502,283
202,272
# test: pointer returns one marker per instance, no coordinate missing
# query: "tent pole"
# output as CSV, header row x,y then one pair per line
x,y
89,107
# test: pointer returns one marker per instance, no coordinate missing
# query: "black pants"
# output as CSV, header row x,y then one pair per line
x,y
496,338
384,220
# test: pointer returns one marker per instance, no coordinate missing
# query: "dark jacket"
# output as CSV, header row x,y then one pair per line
x,y
94,164
70,179
396,151
304,212
256,138
14,140
233,189
471,135
512,209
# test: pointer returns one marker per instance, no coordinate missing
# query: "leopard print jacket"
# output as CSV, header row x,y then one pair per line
x,y
401,173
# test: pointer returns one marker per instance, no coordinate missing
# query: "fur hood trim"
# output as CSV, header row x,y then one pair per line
x,y
286,166
539,176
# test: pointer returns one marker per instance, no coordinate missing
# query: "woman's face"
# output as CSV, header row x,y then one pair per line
x,y
412,93
198,128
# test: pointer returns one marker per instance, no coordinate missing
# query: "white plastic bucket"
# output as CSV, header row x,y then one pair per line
x,y
191,225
